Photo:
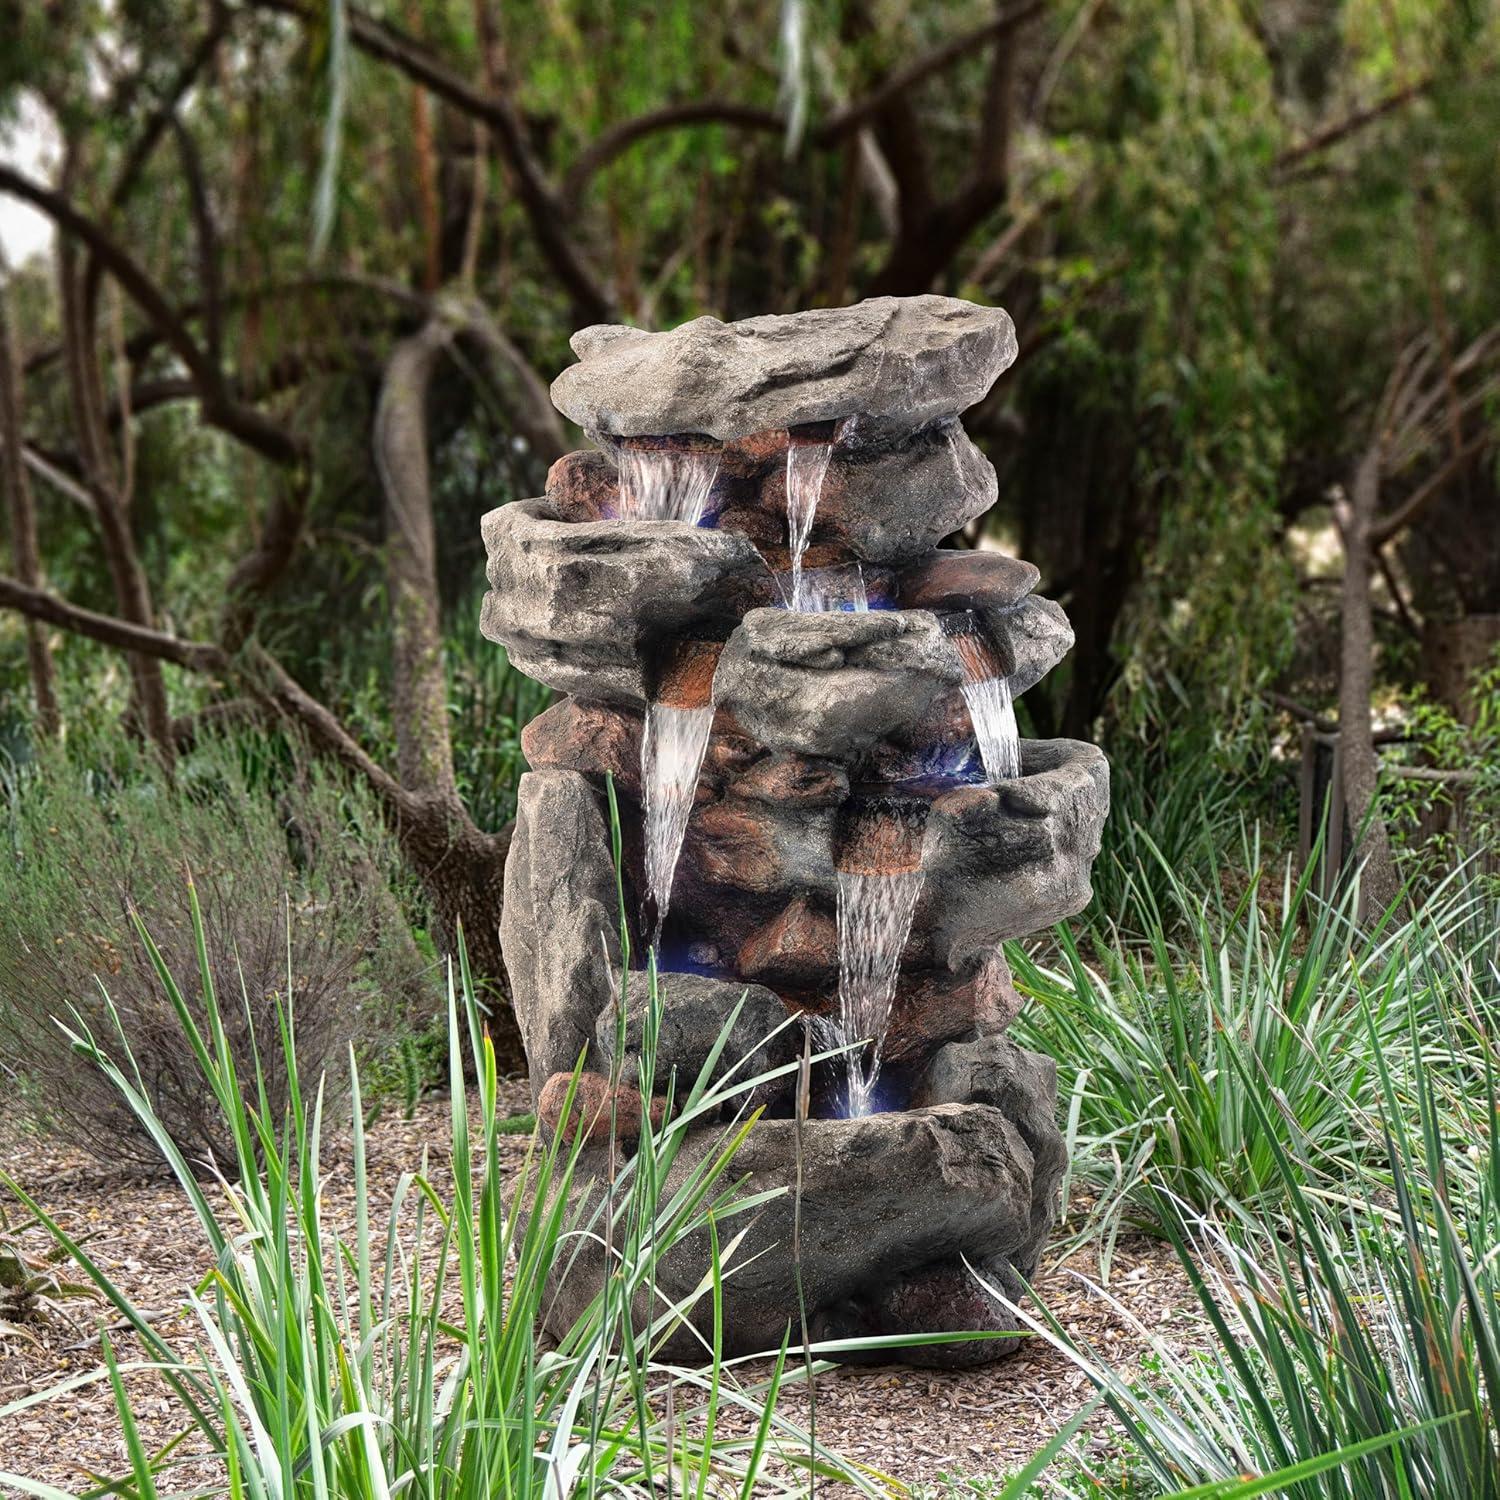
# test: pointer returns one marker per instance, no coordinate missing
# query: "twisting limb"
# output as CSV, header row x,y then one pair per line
x,y
251,427
838,126
109,630
930,236
23,540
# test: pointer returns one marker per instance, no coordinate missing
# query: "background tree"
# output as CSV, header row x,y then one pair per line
x,y
314,265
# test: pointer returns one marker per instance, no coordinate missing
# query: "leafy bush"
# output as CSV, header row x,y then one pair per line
x,y
297,916
1447,809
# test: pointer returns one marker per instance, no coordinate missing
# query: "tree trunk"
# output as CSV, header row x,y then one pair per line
x,y
424,749
131,587
461,867
23,541
462,871
1361,766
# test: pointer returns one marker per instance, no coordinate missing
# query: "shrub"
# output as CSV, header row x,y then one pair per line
x,y
290,868
1372,1324
1191,1066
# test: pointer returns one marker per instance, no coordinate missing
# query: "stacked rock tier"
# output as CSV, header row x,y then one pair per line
x,y
840,740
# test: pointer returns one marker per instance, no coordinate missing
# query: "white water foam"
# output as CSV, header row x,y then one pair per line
x,y
664,484
806,468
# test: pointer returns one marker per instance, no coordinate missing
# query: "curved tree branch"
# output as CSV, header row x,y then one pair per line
x,y
830,132
620,138
109,630
251,427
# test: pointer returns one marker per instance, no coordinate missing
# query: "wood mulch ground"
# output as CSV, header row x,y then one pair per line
x,y
915,1425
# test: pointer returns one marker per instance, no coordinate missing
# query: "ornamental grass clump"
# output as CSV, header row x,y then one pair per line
x,y
401,1357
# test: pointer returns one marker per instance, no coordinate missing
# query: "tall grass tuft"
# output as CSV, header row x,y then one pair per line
x,y
1371,1327
402,1357
1196,1067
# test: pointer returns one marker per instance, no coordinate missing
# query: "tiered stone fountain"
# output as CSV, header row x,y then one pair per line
x,y
805,704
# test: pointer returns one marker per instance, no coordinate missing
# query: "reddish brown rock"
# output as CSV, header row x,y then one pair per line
x,y
936,1007
584,487
793,778
733,847
686,677
796,950
588,737
596,1109
967,580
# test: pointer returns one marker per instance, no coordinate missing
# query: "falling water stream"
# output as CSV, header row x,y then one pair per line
x,y
672,750
987,692
874,921
827,590
806,468
665,484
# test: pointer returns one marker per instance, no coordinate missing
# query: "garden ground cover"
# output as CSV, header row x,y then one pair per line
x,y
915,1425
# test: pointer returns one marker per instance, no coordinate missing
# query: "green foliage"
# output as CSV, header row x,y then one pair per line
x,y
292,870
1372,1318
1192,1067
1468,750
1183,786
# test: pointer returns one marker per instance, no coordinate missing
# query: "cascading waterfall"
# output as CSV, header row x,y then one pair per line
x,y
987,693
879,870
665,484
806,468
673,744
672,750
827,590
874,921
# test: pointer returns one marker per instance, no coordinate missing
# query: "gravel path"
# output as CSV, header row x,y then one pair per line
x,y
915,1425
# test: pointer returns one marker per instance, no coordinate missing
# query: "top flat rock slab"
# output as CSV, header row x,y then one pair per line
x,y
904,360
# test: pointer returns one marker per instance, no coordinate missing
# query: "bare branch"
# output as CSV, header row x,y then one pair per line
x,y
251,427
529,406
852,116
109,630
1351,124
620,138
1384,529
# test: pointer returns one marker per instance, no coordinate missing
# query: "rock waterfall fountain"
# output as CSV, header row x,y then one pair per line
x,y
788,698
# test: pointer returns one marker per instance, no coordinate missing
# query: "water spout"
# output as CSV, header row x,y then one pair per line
x,y
673,744
874,919
665,484
879,879
806,468
987,692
